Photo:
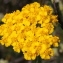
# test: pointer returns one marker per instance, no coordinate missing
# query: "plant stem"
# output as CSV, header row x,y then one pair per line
x,y
38,60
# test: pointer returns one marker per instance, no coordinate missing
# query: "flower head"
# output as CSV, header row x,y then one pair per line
x,y
30,31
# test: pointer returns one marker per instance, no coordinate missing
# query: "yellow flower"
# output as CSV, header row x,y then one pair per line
x,y
47,54
30,31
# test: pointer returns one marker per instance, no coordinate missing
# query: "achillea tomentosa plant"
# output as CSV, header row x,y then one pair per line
x,y
30,31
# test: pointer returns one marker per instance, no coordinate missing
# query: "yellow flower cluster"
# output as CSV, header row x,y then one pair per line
x,y
30,31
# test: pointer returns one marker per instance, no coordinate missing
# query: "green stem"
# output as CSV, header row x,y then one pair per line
x,y
37,60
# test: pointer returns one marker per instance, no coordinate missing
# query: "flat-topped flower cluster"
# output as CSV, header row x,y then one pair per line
x,y
30,31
